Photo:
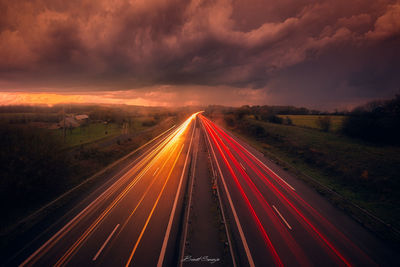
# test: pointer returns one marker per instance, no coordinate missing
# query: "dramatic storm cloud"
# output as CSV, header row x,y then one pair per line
x,y
324,54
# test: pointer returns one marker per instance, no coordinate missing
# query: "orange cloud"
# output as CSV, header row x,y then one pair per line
x,y
19,98
165,95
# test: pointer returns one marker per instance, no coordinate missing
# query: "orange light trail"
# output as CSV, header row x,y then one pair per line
x,y
163,149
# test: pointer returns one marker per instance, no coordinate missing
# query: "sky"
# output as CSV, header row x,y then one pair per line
x,y
322,54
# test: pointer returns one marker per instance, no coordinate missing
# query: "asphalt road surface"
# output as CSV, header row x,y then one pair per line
x,y
280,221
274,219
132,223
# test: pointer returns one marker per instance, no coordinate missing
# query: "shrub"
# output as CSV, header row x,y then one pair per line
x,y
289,121
230,120
275,119
324,123
270,117
252,129
377,122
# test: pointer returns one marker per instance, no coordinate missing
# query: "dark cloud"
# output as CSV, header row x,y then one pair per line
x,y
345,51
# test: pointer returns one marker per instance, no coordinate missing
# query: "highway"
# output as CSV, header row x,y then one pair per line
x,y
274,219
131,223
277,222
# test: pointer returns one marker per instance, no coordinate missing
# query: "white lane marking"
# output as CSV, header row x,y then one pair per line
x,y
242,166
107,192
291,187
283,219
156,171
171,217
105,243
89,231
239,226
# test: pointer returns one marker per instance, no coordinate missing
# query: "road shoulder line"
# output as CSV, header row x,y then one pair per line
x,y
105,243
283,219
171,218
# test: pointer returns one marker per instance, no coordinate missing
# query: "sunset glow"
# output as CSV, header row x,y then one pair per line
x,y
21,98
327,54
198,132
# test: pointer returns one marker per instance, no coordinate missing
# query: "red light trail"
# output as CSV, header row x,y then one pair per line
x,y
212,129
276,258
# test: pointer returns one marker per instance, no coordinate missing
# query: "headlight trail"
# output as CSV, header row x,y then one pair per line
x,y
164,147
168,147
140,209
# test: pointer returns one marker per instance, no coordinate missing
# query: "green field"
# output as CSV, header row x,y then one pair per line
x,y
82,134
96,131
364,173
311,121
89,133
39,166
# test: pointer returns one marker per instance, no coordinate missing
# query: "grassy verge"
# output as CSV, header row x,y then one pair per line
x,y
310,121
97,131
87,133
106,162
364,174
46,170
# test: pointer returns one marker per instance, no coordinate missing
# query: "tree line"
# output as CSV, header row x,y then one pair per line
x,y
377,121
